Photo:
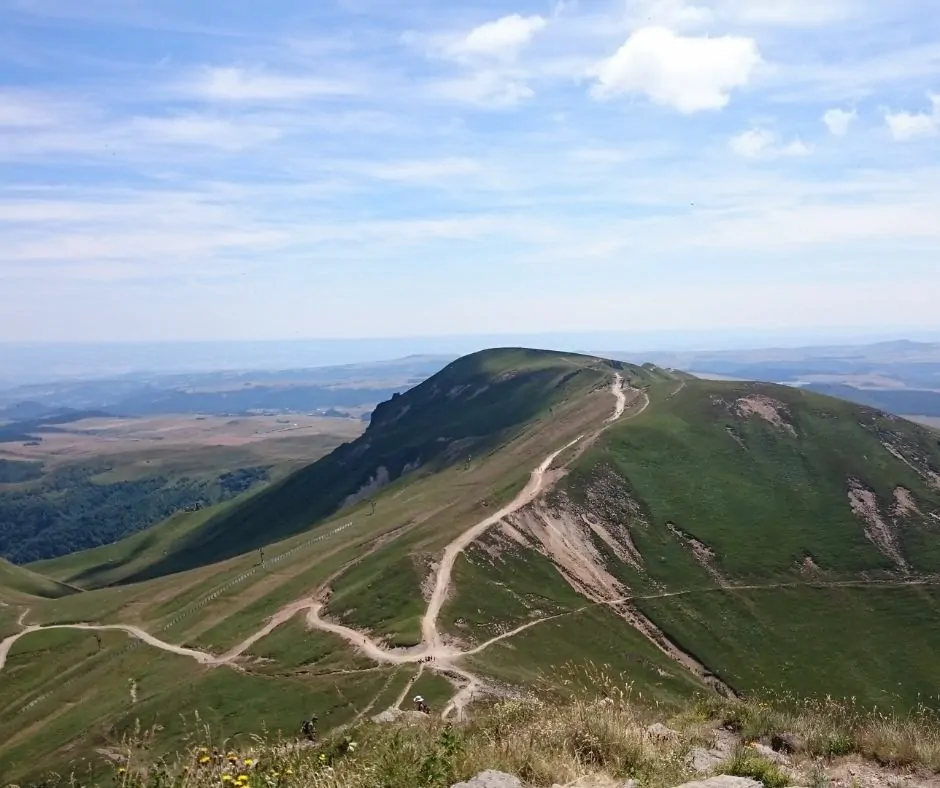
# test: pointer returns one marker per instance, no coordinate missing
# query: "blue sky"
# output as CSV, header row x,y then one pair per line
x,y
183,169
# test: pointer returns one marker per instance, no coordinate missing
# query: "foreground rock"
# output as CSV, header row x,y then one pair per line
x,y
724,781
659,732
397,715
598,781
701,760
790,743
491,779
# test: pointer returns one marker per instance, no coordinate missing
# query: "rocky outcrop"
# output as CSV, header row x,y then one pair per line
x,y
491,779
724,781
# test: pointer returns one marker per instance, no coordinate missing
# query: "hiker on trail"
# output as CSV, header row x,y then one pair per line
x,y
261,551
420,705
309,728
98,638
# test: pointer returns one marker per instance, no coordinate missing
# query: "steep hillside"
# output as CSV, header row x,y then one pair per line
x,y
17,582
747,530
471,407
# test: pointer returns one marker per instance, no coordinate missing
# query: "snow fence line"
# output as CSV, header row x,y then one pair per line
x,y
136,642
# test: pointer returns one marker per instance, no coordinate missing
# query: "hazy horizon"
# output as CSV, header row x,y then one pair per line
x,y
39,362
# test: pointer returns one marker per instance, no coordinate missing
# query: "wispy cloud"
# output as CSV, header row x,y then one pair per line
x,y
239,85
764,144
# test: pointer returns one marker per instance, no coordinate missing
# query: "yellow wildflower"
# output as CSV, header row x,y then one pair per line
x,y
204,759
122,770
226,778
248,761
289,771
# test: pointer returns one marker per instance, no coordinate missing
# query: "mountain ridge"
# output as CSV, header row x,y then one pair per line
x,y
674,544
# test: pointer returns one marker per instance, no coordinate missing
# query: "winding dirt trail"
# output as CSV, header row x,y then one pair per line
x,y
200,656
432,644
442,656
429,631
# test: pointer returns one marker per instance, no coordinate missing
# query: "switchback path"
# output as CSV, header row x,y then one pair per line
x,y
432,645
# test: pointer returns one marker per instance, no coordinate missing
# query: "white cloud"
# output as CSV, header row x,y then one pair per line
x,y
906,126
838,121
418,170
200,130
764,144
688,73
482,88
499,39
22,110
235,84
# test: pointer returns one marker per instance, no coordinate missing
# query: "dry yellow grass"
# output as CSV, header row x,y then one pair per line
x,y
547,738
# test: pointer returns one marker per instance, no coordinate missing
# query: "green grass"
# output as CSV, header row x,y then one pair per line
x,y
761,507
113,563
877,645
292,648
380,595
747,763
17,581
596,637
490,597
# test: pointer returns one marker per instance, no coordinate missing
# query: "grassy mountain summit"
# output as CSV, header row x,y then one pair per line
x,y
470,407
516,512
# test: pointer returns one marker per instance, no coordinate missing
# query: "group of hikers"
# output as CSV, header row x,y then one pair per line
x,y
308,728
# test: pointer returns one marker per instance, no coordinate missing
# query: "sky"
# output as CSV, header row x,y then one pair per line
x,y
186,169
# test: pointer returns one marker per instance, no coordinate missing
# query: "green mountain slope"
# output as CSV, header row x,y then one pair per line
x,y
471,407
753,530
17,582
733,536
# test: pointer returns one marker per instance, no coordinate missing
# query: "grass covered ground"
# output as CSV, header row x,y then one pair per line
x,y
878,645
551,738
761,497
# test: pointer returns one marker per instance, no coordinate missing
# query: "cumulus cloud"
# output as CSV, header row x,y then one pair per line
x,y
764,144
838,121
905,126
688,73
501,38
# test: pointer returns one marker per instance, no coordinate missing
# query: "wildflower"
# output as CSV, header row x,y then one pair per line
x,y
204,759
122,770
288,772
248,761
226,778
